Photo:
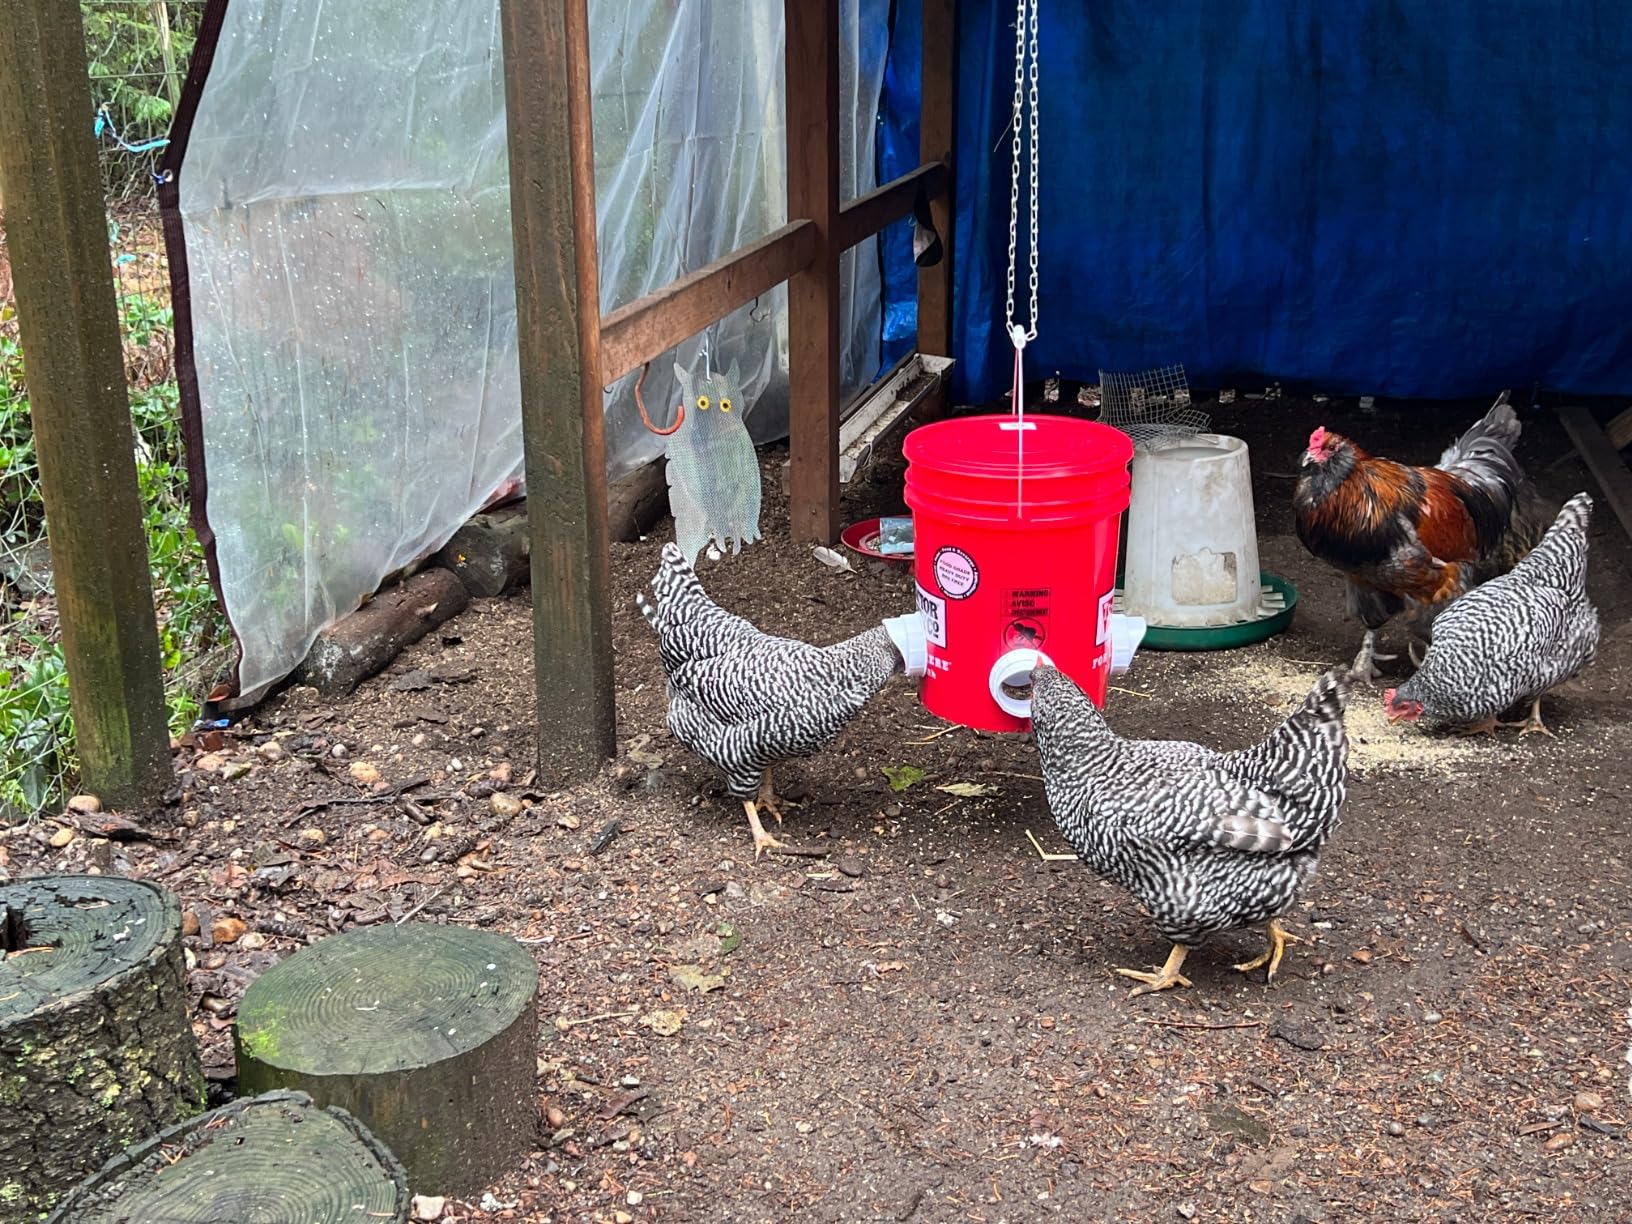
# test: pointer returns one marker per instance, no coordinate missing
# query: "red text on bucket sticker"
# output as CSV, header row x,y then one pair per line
x,y
1025,611
933,611
1102,633
956,573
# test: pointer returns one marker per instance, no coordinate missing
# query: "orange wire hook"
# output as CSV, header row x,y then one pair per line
x,y
641,404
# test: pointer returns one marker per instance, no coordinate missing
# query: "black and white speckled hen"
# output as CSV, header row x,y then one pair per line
x,y
744,700
1510,640
1205,841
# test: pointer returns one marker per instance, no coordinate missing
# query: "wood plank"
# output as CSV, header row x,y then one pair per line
x,y
866,215
58,238
1603,460
634,334
1619,430
558,326
937,134
812,74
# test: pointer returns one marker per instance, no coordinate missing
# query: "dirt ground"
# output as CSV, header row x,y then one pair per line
x,y
923,1025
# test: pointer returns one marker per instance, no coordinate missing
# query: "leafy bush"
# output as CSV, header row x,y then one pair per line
x,y
36,726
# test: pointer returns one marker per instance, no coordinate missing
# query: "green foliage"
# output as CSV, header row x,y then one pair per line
x,y
138,52
36,725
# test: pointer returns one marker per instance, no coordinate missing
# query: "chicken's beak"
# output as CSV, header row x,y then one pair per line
x,y
1308,458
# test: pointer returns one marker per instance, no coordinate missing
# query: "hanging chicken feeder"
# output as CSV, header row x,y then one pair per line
x,y
1192,550
1015,553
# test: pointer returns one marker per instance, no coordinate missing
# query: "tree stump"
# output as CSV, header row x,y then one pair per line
x,y
273,1157
427,1034
96,1051
489,554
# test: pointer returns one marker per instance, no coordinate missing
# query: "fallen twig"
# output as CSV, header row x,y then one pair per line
x,y
1044,854
1196,1024
424,901
801,851
390,796
564,1025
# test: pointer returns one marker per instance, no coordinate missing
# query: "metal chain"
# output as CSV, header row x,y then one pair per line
x,y
1025,47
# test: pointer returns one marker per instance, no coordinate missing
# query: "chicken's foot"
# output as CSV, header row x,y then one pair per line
x,y
1278,939
1365,663
769,800
1411,649
1532,725
1165,978
763,841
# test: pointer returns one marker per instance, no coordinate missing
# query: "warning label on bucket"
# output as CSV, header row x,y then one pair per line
x,y
1025,617
1102,634
933,610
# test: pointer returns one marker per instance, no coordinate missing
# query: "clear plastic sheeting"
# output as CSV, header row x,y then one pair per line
x,y
345,208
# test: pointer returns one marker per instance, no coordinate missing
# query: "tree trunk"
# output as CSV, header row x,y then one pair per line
x,y
427,1034
274,1157
96,1051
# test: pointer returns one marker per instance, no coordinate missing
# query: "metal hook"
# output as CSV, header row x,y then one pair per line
x,y
753,311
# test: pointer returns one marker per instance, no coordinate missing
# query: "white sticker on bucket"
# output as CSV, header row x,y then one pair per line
x,y
1102,632
933,609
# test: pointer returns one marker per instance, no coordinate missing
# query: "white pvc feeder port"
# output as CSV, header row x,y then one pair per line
x,y
910,638
1126,634
1014,669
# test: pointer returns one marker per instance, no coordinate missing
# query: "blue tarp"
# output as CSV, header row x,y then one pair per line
x,y
1426,199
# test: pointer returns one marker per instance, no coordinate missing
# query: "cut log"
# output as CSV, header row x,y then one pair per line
x,y
427,1034
274,1157
637,502
489,553
96,1051
364,643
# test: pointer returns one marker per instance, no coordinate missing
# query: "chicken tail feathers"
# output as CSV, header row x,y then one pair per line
x,y
1482,460
1561,557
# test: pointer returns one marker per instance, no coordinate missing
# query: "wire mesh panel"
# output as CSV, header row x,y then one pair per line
x,y
137,53
1151,406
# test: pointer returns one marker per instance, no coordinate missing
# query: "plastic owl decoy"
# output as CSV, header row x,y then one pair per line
x,y
713,471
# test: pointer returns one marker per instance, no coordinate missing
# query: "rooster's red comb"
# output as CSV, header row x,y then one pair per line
x,y
1318,438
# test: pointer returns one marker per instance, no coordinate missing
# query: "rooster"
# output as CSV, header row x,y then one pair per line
x,y
1205,841
1415,538
744,700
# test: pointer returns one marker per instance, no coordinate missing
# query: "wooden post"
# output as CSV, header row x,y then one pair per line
x,y
63,279
558,319
812,76
937,134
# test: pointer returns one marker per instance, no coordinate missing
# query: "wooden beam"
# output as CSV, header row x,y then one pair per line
x,y
1602,460
634,334
812,98
58,236
866,215
1619,429
937,134
552,201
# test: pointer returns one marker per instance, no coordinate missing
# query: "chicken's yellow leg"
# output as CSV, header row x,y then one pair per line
x,y
1531,725
1278,939
768,799
1165,978
763,841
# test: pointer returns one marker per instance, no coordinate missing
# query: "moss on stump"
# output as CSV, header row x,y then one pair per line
x,y
96,1052
272,1157
427,1034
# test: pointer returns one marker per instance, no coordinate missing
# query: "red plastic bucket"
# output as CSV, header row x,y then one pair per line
x,y
1009,560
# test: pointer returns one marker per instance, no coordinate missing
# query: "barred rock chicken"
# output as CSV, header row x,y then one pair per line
x,y
743,700
1416,537
1205,841
1510,640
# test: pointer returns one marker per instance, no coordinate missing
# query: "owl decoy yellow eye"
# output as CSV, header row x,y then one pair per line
x,y
702,403
725,405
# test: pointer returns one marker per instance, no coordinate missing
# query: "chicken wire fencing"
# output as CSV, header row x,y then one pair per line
x,y
138,52
1152,407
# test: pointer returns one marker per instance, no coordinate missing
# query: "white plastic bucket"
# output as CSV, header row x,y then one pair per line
x,y
1192,551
